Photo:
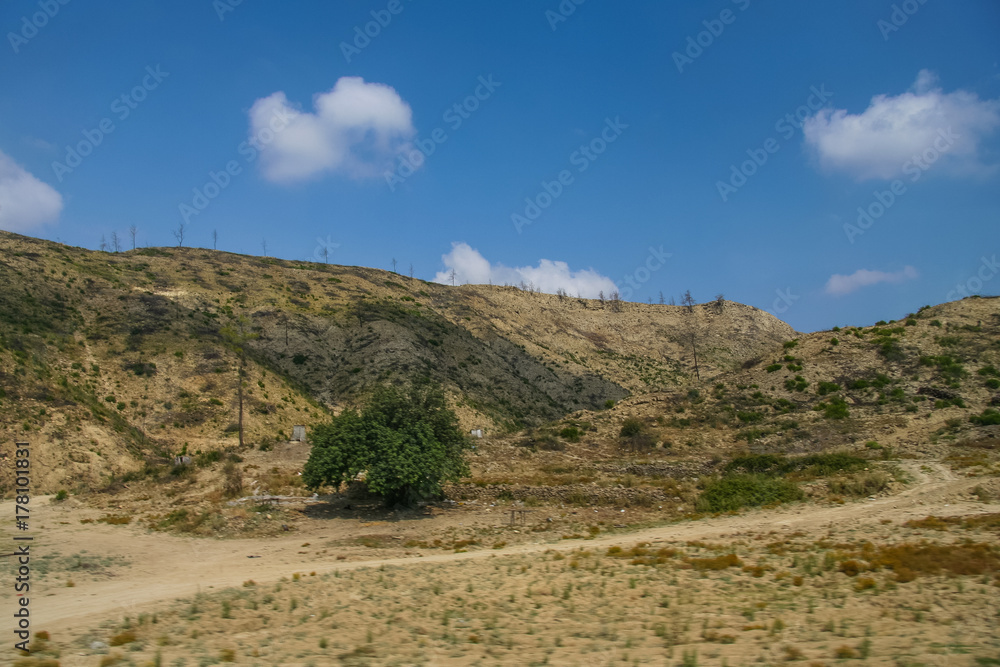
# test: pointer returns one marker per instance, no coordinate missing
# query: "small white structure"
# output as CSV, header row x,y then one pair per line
x,y
298,433
476,433
182,460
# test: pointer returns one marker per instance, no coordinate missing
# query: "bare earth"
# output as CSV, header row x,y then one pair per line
x,y
148,572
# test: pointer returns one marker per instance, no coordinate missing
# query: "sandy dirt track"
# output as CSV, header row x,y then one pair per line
x,y
163,567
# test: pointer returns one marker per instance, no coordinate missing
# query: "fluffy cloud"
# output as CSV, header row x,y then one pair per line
x,y
884,139
357,129
25,201
839,285
471,267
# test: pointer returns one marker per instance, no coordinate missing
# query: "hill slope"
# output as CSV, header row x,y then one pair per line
x,y
107,360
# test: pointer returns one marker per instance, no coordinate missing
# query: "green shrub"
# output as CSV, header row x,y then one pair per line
x,y
861,484
570,433
773,367
732,493
632,427
836,409
813,465
789,344
798,384
890,350
750,417
989,417
824,388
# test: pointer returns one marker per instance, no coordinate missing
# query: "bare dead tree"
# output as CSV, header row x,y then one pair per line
x,y
326,255
179,235
132,231
719,303
116,242
616,302
661,297
394,265
411,270
263,245
692,329
104,244
452,276
600,297
215,239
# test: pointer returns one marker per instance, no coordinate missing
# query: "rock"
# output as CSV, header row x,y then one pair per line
x,y
98,646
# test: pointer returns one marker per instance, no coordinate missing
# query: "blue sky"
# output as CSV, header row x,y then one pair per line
x,y
720,147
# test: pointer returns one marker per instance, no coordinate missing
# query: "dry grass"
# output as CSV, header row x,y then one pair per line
x,y
760,599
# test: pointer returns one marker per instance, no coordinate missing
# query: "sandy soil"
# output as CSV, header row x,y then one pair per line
x,y
148,569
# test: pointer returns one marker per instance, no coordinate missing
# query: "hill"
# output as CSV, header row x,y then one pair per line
x,y
113,360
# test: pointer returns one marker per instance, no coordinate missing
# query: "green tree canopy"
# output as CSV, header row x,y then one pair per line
x,y
407,442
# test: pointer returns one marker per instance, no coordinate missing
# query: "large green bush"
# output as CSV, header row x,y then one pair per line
x,y
407,443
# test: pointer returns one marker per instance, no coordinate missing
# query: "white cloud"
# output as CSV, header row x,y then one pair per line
x,y
881,141
357,129
25,201
548,276
839,285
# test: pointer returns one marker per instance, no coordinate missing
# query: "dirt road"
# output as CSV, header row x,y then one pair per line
x,y
163,567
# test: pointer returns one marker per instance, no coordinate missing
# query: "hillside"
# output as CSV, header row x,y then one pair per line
x,y
109,361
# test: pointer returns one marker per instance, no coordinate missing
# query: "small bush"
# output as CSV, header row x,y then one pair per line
x,y
773,367
715,563
824,388
62,495
114,520
845,652
570,434
862,484
732,493
989,417
632,427
836,409
123,638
